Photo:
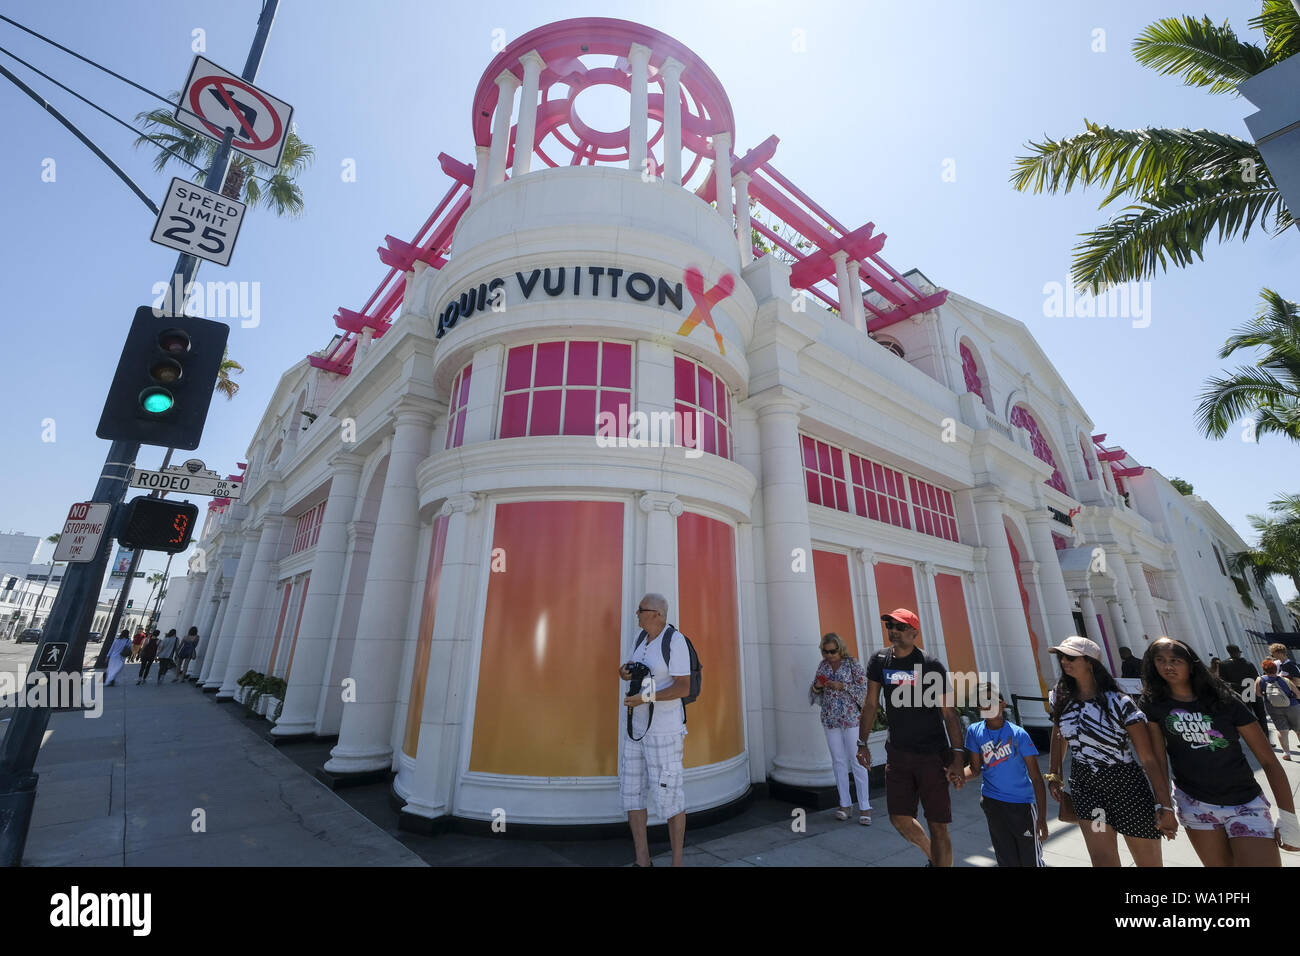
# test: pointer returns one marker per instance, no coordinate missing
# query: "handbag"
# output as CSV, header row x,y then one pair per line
x,y
1066,814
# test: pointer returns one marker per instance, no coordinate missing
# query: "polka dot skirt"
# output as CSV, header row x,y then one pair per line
x,y
1117,795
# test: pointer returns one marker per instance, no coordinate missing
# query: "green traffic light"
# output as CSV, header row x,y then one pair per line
x,y
157,401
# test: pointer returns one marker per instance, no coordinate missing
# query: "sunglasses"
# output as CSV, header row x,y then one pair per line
x,y
646,610
828,651
1067,657
895,626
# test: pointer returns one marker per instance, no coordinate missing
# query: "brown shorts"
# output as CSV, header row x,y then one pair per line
x,y
912,776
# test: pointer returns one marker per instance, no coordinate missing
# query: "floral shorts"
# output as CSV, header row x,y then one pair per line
x,y
1247,820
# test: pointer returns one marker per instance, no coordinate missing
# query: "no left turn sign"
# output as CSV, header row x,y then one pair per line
x,y
215,100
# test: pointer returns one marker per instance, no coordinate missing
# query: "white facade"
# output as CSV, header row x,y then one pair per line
x,y
366,562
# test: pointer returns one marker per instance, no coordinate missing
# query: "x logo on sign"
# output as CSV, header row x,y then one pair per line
x,y
705,301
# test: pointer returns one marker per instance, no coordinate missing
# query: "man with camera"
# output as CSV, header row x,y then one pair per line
x,y
656,727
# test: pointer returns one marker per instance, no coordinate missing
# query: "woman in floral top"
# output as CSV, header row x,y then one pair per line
x,y
840,685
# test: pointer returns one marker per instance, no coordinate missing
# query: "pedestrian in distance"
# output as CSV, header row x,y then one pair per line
x,y
924,750
1012,794
660,666
1240,675
185,654
1198,724
148,651
1109,791
167,653
1286,667
1129,666
840,686
1281,697
1214,668
137,642
117,657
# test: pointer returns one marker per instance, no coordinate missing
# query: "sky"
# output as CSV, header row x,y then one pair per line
x,y
907,114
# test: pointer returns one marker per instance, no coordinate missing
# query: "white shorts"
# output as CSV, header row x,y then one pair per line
x,y
654,761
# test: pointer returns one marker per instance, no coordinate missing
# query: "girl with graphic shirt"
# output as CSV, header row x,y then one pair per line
x,y
840,685
1198,724
1107,787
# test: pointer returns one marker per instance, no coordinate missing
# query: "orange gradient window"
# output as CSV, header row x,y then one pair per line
x,y
895,588
547,699
835,597
956,625
707,614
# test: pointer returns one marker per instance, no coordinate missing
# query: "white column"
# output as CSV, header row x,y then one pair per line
x,y
1146,604
743,235
485,384
855,293
365,738
722,173
185,619
661,510
481,160
226,635
448,695
1051,581
638,119
800,749
1091,626
871,639
527,125
1128,601
212,644
1122,638
1012,634
253,612
842,284
507,83
927,599
324,592
671,71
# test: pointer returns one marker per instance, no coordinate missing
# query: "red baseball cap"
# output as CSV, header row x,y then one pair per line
x,y
903,616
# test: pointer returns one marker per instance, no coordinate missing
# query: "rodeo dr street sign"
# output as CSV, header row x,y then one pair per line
x,y
192,478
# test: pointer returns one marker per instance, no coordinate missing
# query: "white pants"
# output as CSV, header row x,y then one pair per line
x,y
843,743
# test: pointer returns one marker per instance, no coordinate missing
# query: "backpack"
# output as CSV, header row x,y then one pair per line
x,y
1276,693
696,676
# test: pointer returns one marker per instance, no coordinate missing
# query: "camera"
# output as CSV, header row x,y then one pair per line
x,y
638,672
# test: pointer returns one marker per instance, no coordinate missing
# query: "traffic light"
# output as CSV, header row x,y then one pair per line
x,y
130,602
163,385
156,524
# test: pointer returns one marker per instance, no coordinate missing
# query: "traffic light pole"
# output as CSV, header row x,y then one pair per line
x,y
74,606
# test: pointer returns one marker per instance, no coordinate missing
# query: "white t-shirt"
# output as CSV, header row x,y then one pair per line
x,y
669,717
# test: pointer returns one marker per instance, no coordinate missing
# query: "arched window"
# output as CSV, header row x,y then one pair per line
x,y
970,370
892,346
1042,450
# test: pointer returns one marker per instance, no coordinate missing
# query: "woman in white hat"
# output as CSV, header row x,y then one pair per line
x,y
1199,725
1109,789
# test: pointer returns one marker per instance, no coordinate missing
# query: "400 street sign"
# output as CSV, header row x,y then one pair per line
x,y
190,478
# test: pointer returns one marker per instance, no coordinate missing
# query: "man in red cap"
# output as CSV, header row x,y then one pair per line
x,y
924,749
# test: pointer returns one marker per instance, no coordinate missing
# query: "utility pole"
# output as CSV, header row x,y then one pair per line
x,y
70,617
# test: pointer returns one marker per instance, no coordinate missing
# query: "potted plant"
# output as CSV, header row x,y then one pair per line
x,y
250,685
273,689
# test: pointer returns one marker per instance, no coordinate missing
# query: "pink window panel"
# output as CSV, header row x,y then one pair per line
x,y
459,408
557,388
545,417
581,369
514,416
1059,543
971,373
825,487
550,364
696,388
1021,417
519,368
616,365
580,411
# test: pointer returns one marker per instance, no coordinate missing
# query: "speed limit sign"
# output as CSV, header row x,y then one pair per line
x,y
199,222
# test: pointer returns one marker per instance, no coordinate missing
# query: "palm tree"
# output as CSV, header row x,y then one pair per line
x,y
153,581
225,385
1184,185
1269,389
1278,550
280,193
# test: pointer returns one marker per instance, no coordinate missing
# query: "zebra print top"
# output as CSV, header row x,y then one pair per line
x,y
1098,735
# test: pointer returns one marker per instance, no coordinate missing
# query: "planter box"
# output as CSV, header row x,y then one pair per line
x,y
271,704
260,707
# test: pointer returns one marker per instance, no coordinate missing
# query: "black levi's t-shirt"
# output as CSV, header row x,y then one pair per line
x,y
1205,749
912,690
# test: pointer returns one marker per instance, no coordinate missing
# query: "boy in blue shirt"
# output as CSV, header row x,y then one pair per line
x,y
1012,794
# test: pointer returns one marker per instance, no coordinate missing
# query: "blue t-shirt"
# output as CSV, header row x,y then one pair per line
x,y
1003,752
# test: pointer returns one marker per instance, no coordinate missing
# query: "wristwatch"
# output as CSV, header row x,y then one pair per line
x,y
863,743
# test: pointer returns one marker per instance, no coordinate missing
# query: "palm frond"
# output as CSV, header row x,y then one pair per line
x,y
1202,53
1225,401
1173,225
1281,25
1135,162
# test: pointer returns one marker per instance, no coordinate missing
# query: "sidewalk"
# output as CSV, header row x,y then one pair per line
x,y
122,790
131,787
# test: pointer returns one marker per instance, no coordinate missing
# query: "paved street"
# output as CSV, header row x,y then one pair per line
x,y
126,790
